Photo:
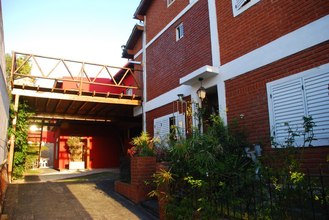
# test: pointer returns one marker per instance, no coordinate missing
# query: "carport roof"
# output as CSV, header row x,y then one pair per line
x,y
57,103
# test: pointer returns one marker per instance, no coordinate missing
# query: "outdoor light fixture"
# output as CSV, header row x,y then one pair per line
x,y
34,128
135,62
201,91
180,97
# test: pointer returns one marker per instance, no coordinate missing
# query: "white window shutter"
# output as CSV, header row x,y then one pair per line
x,y
161,127
317,99
287,103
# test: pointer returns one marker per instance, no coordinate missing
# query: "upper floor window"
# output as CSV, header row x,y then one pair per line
x,y
240,6
169,2
179,31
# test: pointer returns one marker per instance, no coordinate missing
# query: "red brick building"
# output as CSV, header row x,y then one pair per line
x,y
263,62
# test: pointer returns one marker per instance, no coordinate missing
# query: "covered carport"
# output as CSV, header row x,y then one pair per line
x,y
74,98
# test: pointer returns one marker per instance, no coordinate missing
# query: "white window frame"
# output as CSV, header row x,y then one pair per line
x,y
323,135
240,6
169,2
161,126
179,31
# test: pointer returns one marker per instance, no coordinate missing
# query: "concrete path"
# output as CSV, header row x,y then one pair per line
x,y
49,196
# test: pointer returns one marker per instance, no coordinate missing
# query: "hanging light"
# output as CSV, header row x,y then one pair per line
x,y
201,91
180,97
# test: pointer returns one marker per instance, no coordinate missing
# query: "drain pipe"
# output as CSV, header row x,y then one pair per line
x,y
144,77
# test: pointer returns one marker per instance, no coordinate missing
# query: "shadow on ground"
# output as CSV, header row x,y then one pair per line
x,y
84,197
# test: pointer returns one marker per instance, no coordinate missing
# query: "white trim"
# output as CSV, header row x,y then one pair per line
x,y
180,31
138,110
310,72
307,36
167,97
237,11
221,93
170,2
317,70
204,72
185,10
214,39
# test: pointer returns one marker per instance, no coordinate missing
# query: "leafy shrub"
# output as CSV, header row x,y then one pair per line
x,y
75,148
143,146
202,166
21,134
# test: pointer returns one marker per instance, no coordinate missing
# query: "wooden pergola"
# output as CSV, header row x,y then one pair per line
x,y
62,89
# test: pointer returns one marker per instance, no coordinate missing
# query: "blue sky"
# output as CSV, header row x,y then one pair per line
x,y
84,30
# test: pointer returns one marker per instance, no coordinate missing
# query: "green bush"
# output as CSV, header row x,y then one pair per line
x,y
202,166
21,134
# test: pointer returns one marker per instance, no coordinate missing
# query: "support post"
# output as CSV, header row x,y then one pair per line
x,y
88,154
40,144
144,77
12,140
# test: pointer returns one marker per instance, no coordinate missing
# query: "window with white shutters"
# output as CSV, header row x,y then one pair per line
x,y
162,125
240,6
303,94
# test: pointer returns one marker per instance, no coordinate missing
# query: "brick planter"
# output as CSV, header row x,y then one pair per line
x,y
142,169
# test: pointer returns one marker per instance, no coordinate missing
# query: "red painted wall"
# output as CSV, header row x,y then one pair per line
x,y
262,23
47,136
105,148
128,81
168,60
104,152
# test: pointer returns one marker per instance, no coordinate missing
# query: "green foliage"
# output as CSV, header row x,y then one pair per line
x,y
25,69
143,145
203,163
213,178
75,148
21,134
161,179
289,153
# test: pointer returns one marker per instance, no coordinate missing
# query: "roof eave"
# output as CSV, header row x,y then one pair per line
x,y
141,9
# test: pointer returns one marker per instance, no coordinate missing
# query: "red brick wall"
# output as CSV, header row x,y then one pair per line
x,y
156,113
158,15
139,45
247,94
142,169
262,23
168,60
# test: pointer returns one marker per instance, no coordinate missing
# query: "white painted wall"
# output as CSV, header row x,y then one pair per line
x,y
4,99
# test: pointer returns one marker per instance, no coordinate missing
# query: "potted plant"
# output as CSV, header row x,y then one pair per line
x,y
143,158
75,149
143,146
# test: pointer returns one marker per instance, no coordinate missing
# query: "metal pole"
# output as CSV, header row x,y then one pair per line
x,y
144,77
12,140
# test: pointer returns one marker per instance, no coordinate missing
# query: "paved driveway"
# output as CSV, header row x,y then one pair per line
x,y
87,197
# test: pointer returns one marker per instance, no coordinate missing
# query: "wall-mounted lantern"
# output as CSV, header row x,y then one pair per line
x,y
201,91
